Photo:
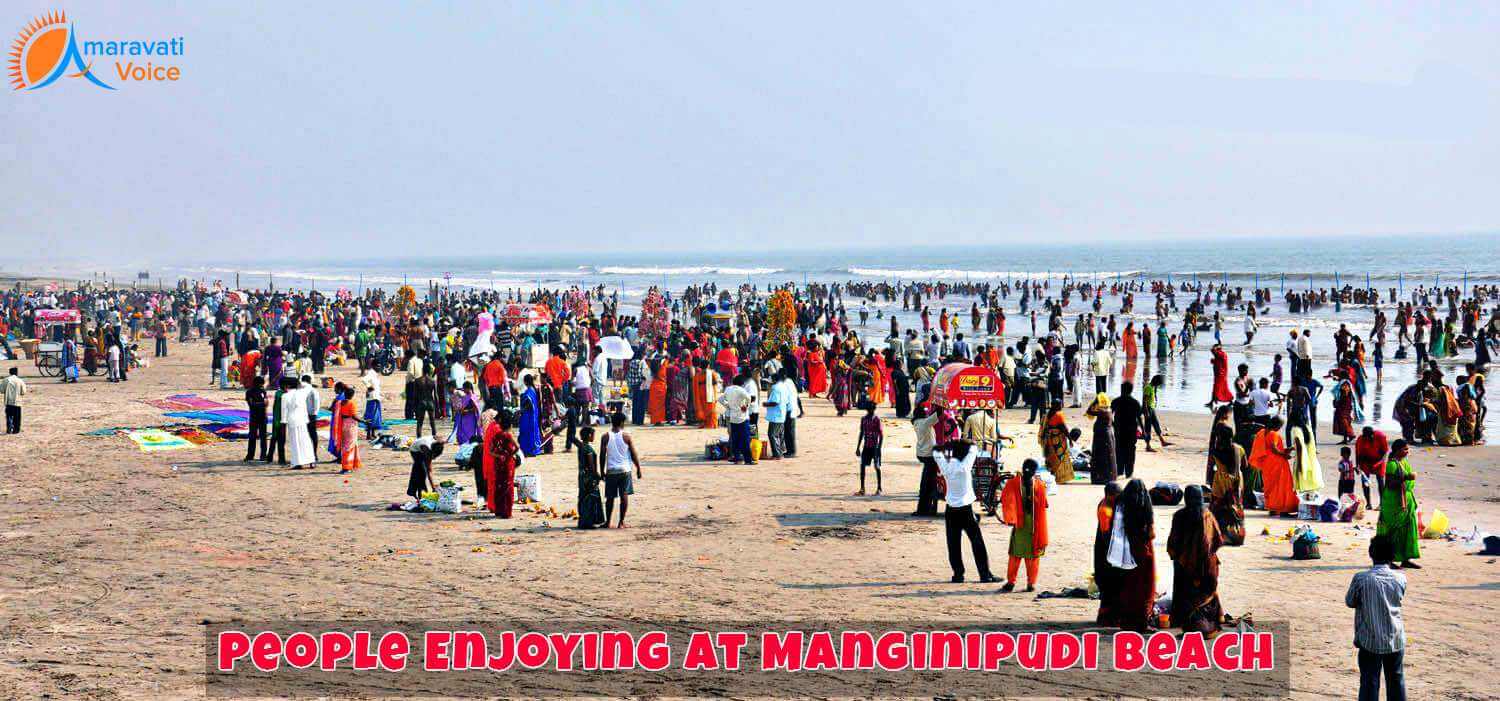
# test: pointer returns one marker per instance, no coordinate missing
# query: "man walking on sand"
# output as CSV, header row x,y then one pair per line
x,y
1379,633
617,452
13,387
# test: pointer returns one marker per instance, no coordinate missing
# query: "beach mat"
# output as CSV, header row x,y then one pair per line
x,y
151,440
196,402
231,416
184,402
214,415
166,404
197,436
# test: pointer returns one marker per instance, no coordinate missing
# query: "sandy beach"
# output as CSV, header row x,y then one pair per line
x,y
117,558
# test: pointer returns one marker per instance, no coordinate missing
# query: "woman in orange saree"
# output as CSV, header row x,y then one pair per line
x,y
656,404
345,428
1270,455
877,378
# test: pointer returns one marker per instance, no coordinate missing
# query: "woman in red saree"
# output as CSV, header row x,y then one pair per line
x,y
817,371
249,367
1220,361
502,456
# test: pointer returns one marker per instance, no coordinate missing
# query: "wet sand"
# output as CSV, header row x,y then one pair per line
x,y
116,557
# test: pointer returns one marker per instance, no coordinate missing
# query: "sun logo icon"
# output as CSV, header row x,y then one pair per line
x,y
43,53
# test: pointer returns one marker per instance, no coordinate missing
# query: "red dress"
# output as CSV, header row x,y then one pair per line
x,y
1221,376
817,374
500,470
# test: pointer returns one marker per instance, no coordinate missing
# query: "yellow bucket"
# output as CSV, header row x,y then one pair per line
x,y
755,448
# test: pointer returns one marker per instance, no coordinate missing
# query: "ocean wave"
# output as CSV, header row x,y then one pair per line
x,y
684,270
544,274
955,274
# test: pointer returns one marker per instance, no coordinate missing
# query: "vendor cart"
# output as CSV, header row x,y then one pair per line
x,y
49,359
53,324
960,386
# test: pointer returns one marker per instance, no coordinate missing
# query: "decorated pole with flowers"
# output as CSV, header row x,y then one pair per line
x,y
781,322
656,317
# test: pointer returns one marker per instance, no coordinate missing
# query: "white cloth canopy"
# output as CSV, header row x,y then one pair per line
x,y
615,348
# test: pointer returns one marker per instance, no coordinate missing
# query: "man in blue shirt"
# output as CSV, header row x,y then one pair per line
x,y
776,405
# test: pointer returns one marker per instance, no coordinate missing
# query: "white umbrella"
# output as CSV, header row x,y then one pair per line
x,y
615,348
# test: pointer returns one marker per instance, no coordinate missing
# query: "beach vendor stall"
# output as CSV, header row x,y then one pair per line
x,y
51,328
519,316
617,352
961,386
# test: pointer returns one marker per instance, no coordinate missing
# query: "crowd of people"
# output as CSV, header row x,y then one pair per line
x,y
514,387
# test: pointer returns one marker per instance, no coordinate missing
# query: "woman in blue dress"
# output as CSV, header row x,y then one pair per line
x,y
530,419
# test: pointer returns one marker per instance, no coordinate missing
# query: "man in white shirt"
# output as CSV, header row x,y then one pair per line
x,y
1304,352
312,413
13,387
751,385
1260,401
922,422
958,518
1103,360
793,412
600,370
736,403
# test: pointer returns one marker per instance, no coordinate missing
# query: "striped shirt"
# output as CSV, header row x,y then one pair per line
x,y
636,375
1375,595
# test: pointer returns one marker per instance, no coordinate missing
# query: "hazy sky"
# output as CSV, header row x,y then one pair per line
x,y
389,128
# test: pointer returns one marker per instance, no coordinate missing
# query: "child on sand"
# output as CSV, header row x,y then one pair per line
x,y
1346,472
867,446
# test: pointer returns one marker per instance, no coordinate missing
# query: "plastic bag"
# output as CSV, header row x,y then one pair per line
x,y
1305,544
1308,506
1049,480
1328,511
1437,526
528,487
448,501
